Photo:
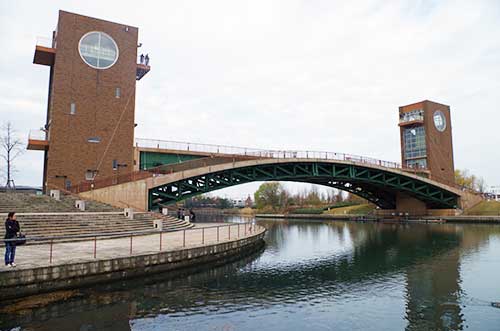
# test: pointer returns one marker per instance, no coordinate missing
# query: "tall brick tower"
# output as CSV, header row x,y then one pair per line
x,y
89,129
426,139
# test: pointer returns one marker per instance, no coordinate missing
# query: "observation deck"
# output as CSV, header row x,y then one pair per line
x,y
45,51
38,141
142,70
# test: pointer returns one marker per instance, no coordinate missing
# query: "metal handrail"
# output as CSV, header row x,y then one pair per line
x,y
45,42
113,235
264,153
221,151
109,236
37,134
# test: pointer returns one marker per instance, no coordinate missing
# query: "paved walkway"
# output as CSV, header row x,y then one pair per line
x,y
32,256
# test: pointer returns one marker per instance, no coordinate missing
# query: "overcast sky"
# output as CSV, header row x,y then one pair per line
x,y
316,75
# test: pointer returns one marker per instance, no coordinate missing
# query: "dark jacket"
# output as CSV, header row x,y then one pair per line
x,y
11,228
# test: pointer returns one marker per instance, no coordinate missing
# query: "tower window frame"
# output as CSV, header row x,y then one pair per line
x,y
97,46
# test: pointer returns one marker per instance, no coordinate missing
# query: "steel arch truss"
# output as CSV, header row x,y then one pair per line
x,y
375,185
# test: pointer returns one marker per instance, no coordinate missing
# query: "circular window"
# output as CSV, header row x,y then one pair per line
x,y
439,120
98,50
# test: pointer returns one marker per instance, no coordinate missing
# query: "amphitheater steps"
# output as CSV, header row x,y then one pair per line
x,y
34,203
65,224
43,216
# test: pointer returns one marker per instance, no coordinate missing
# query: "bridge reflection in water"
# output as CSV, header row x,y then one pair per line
x,y
310,272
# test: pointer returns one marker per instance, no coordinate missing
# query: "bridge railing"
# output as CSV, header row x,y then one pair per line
x,y
223,153
220,154
261,153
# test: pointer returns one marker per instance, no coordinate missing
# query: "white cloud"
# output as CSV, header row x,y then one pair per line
x,y
316,75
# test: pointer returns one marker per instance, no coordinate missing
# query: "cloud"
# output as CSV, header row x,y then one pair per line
x,y
316,75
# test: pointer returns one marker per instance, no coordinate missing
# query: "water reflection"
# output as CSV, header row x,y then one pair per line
x,y
315,275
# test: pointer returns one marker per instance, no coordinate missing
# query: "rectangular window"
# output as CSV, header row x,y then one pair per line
x,y
90,174
417,163
414,142
115,164
72,109
118,92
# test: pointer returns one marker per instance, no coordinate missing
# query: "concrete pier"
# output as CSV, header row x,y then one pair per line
x,y
72,264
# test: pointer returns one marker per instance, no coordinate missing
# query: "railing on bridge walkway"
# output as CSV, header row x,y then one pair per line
x,y
260,153
167,240
222,154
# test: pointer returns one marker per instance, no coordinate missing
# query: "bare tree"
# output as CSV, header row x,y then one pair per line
x,y
481,185
11,148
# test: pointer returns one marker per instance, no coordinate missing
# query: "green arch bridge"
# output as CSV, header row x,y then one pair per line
x,y
380,185
194,169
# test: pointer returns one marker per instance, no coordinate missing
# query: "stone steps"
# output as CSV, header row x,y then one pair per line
x,y
66,224
46,217
28,202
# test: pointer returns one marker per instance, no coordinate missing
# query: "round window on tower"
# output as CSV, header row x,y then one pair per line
x,y
98,50
439,120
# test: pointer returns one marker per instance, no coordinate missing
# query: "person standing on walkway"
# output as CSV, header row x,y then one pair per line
x,y
12,228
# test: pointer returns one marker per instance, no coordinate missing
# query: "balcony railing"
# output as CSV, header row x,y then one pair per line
x,y
45,42
411,116
37,135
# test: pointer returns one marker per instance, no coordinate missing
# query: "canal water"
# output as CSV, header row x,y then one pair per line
x,y
310,276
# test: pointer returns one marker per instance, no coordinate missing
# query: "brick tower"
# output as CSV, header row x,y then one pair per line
x,y
426,140
89,129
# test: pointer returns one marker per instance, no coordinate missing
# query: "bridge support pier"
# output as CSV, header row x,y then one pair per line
x,y
406,204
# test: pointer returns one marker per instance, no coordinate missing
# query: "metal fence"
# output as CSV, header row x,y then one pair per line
x,y
138,242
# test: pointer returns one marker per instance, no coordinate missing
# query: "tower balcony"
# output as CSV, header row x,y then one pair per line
x,y
142,70
411,117
45,51
411,122
38,141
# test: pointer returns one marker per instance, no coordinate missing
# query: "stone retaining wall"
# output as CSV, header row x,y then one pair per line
x,y
24,282
451,219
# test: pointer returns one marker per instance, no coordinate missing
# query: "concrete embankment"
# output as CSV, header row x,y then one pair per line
x,y
318,217
425,219
16,283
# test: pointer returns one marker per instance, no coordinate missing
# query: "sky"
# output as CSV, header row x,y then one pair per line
x,y
301,75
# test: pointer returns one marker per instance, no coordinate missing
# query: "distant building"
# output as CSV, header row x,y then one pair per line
x,y
493,193
238,203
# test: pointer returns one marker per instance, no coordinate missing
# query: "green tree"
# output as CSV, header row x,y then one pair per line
x,y
313,198
269,195
467,180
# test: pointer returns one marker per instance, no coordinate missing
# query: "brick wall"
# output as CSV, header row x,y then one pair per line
x,y
98,112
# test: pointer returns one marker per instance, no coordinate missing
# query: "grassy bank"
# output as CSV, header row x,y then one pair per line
x,y
485,208
362,209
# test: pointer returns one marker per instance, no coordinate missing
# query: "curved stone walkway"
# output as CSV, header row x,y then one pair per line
x,y
34,256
